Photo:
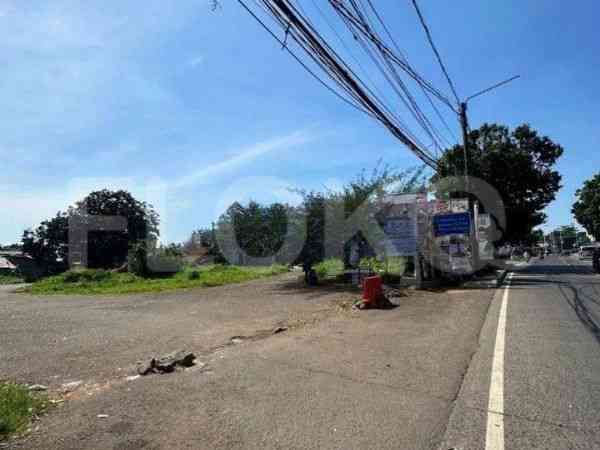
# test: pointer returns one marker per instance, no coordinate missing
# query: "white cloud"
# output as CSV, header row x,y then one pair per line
x,y
196,61
27,208
244,156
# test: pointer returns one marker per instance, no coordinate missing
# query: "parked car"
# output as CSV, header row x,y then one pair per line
x,y
587,252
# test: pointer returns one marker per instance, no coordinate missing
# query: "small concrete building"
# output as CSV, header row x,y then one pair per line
x,y
12,262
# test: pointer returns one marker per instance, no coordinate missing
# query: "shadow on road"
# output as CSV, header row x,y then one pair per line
x,y
556,269
581,293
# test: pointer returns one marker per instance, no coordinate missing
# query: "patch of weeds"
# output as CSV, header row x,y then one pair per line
x,y
329,267
194,275
11,278
18,407
91,282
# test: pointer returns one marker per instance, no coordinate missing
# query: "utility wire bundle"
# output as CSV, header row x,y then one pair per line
x,y
362,20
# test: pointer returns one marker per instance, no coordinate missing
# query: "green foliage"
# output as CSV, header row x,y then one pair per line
x,y
137,259
583,238
519,164
350,209
396,265
259,231
87,275
109,248
125,283
49,243
329,267
11,278
372,264
587,207
535,237
322,226
203,241
17,407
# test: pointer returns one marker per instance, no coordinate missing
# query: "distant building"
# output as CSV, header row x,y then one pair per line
x,y
18,262
6,266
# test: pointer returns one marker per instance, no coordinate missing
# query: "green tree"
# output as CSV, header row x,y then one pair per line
x,y
108,248
259,231
583,238
519,164
568,236
586,208
363,192
534,238
48,243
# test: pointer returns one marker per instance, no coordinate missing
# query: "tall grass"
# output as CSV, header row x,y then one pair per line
x,y
11,279
89,282
329,268
17,407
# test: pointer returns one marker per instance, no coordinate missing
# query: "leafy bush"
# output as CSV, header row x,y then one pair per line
x,y
11,278
137,259
17,407
102,282
372,264
329,267
87,275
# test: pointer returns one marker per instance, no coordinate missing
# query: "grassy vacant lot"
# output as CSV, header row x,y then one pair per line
x,y
103,282
17,407
332,267
10,279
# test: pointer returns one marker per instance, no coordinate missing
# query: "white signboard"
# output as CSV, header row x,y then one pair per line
x,y
484,231
459,205
401,231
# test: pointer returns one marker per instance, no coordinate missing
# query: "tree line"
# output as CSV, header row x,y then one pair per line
x,y
519,163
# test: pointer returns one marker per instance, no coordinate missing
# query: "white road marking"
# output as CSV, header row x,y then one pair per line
x,y
494,439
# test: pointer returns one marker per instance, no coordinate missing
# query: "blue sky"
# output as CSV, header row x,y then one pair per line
x,y
190,109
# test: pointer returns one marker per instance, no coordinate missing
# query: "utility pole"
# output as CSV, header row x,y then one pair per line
x,y
464,124
473,209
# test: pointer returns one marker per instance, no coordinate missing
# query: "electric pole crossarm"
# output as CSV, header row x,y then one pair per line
x,y
497,85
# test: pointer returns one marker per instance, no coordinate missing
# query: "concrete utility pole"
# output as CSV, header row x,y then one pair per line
x,y
464,124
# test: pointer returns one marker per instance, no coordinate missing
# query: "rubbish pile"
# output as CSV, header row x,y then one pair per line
x,y
167,364
374,296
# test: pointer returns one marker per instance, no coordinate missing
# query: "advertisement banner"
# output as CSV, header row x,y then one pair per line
x,y
401,231
484,236
455,223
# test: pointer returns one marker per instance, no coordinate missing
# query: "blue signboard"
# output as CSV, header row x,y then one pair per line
x,y
458,223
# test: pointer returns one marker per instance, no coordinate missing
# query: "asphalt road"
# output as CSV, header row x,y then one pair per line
x,y
515,368
547,395
335,379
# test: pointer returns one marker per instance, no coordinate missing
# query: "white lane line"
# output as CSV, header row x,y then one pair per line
x,y
494,439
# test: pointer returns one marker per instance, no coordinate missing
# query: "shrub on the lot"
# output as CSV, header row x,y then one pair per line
x,y
137,259
329,267
11,277
17,407
103,282
88,275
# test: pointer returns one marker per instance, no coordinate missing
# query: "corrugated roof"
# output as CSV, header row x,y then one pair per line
x,y
6,264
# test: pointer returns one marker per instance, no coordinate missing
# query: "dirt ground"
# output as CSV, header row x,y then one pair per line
x,y
335,378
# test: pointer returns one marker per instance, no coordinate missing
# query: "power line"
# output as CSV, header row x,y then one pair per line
x,y
434,48
298,28
397,48
363,29
308,69
368,35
